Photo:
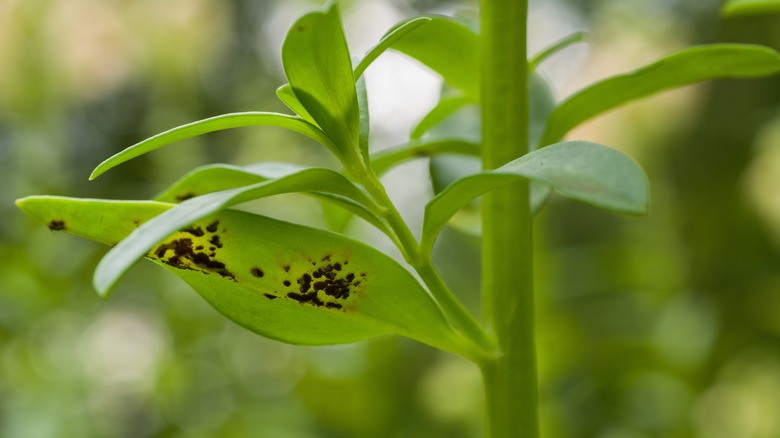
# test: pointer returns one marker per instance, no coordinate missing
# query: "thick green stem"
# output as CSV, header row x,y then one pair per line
x,y
507,281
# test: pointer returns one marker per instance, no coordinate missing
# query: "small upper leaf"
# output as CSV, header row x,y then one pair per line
x,y
287,282
584,171
318,66
685,67
218,123
398,32
448,47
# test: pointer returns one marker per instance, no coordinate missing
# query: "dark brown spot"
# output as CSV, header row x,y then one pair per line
x,y
333,305
199,247
287,283
270,297
337,266
326,258
215,241
286,268
212,228
305,282
183,249
195,231
257,272
56,225
350,276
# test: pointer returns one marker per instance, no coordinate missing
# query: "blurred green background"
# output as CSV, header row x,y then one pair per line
x,y
663,326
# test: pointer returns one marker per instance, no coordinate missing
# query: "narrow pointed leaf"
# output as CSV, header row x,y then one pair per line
x,y
448,47
218,177
556,47
287,282
734,8
218,123
318,66
287,96
445,108
685,67
397,33
584,171
386,159
127,252
364,133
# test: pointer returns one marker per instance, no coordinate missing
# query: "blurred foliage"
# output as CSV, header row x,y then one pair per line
x,y
665,326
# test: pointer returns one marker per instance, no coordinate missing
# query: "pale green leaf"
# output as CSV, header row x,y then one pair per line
x,y
445,108
685,67
448,47
287,282
218,123
318,67
734,8
584,171
398,32
386,159
556,47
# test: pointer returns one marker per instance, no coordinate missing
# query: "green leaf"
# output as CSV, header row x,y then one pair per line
x,y
318,66
556,47
362,95
448,47
287,282
287,96
398,32
735,8
685,67
386,159
218,123
218,177
121,257
584,171
445,108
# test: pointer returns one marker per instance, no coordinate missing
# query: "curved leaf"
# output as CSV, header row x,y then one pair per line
x,y
287,282
581,170
218,123
685,67
385,159
448,47
556,47
287,96
398,32
318,66
218,177
445,108
734,8
121,257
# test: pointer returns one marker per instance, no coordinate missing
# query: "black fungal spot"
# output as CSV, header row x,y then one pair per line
x,y
286,268
257,272
350,276
333,305
183,250
305,282
337,266
270,297
185,196
199,247
195,231
326,258
212,228
215,241
56,225
287,283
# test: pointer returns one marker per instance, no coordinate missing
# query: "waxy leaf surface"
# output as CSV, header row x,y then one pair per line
x,y
685,67
218,123
584,171
284,281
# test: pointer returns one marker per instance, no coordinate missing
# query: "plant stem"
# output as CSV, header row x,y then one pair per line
x,y
453,309
507,281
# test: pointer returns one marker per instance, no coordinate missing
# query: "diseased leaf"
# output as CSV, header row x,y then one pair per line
x,y
218,177
287,96
735,8
685,67
398,32
385,159
448,47
318,66
218,123
127,252
581,170
287,282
